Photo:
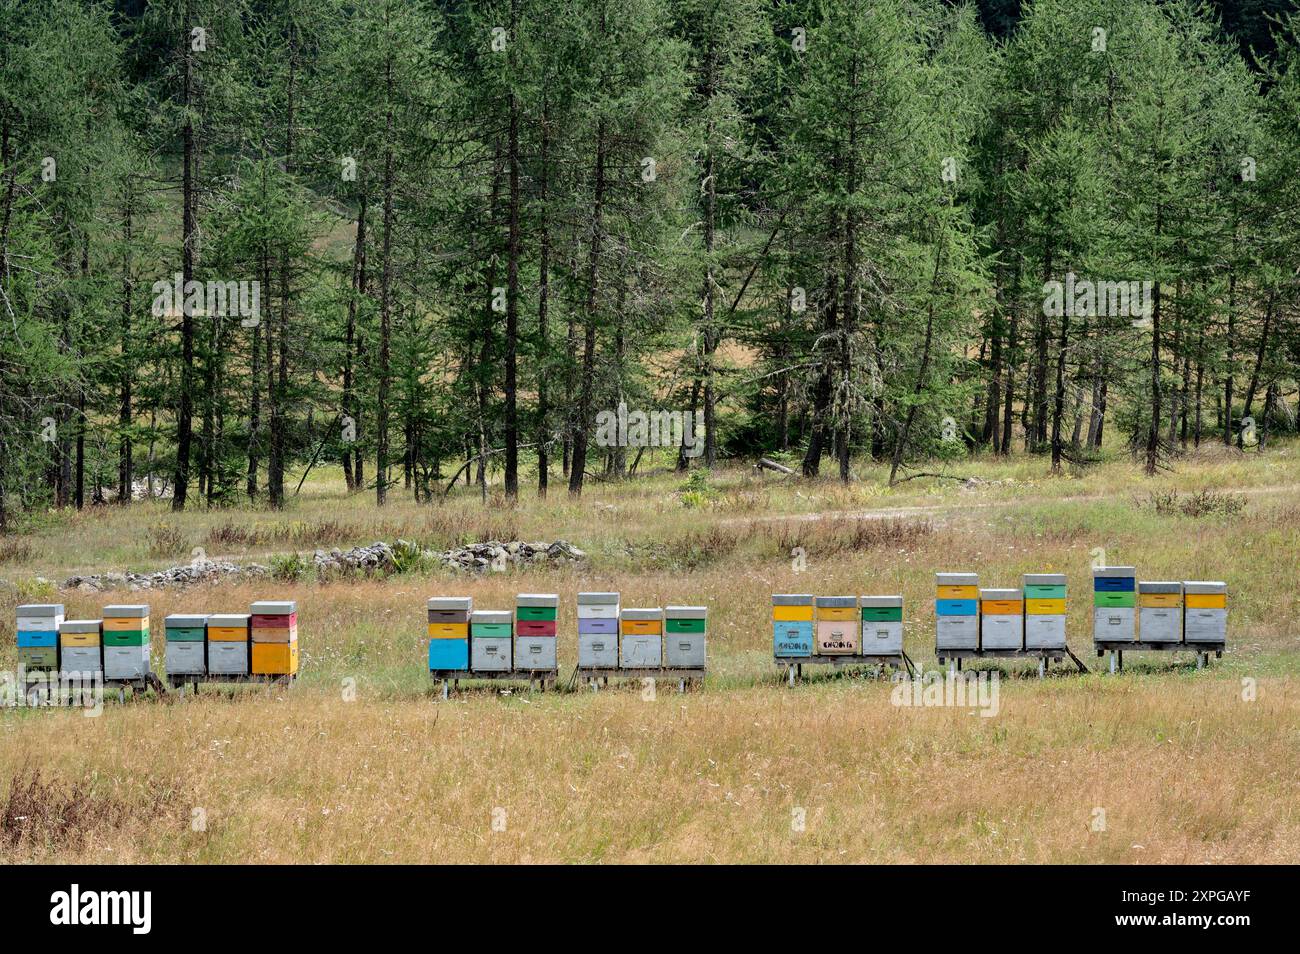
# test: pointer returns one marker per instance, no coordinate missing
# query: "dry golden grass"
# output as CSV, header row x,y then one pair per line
x,y
1184,769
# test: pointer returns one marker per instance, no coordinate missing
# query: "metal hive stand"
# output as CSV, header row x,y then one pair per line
x,y
179,681
1046,655
451,678
793,665
149,681
1116,650
594,675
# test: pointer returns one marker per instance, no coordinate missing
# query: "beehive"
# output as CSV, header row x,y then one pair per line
x,y
1045,595
1160,611
685,629
1002,619
126,641
536,633
598,630
185,649
37,626
448,631
273,638
838,631
1205,611
956,611
641,638
490,639
229,637
1114,602
882,625
80,647
792,624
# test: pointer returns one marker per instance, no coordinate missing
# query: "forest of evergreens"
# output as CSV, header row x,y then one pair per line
x,y
435,240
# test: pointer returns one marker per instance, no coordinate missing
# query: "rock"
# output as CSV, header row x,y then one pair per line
x,y
378,557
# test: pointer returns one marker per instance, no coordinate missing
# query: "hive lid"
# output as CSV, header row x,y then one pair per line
x,y
1120,571
40,609
537,599
186,620
1205,586
1044,579
126,611
598,599
875,601
273,608
792,599
957,579
230,620
80,625
495,617
992,594
1159,586
451,603
686,612
837,602
650,612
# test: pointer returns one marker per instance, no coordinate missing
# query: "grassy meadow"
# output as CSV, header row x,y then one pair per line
x,y
361,761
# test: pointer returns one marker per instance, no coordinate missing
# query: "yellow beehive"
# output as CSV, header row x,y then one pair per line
x,y
1044,607
449,630
837,614
275,659
793,614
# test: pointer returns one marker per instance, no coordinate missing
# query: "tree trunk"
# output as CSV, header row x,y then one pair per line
x,y
578,465
543,303
125,474
350,403
512,289
385,302
189,199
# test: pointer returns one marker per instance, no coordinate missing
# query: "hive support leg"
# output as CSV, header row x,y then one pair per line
x,y
789,676
1042,666
681,685
1200,660
953,665
445,690
1112,662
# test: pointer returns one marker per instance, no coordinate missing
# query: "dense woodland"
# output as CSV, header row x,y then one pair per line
x,y
826,228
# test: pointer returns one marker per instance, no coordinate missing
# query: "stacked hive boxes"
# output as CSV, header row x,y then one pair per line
x,y
1160,611
641,638
1002,619
228,641
1205,611
1114,599
186,645
1044,610
274,637
598,630
490,638
449,632
536,631
882,625
838,629
38,635
684,633
80,646
126,642
957,611
792,624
